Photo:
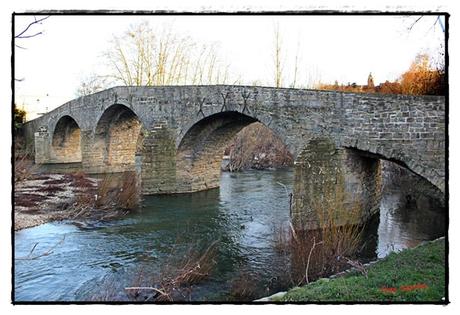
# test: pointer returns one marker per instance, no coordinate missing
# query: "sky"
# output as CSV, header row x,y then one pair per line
x,y
329,48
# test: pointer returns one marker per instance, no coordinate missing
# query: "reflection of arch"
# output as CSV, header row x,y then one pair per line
x,y
117,138
66,142
200,151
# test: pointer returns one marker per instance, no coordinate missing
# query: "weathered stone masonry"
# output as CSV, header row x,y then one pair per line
x,y
175,137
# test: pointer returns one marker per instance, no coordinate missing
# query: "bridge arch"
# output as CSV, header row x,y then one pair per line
x,y
201,148
66,141
379,153
343,183
118,137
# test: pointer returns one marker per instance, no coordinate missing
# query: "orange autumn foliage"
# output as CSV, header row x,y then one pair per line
x,y
422,78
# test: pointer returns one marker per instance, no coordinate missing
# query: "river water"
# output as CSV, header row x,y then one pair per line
x,y
96,261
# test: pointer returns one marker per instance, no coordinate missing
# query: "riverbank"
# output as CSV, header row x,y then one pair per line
x,y
43,198
413,275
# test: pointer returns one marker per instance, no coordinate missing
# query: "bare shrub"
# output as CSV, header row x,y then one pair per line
x,y
105,193
129,195
256,146
24,168
281,238
123,193
243,287
341,234
176,276
318,253
80,179
196,266
110,197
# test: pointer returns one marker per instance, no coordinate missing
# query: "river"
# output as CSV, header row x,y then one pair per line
x,y
97,260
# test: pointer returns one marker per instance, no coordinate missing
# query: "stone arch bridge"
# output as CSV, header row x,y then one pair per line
x,y
174,138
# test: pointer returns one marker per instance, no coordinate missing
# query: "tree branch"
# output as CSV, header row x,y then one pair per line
x,y
413,24
29,36
28,26
46,253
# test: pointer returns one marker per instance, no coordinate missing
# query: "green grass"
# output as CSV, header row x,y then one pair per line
x,y
424,265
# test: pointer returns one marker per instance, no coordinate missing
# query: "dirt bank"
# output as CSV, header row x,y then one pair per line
x,y
47,197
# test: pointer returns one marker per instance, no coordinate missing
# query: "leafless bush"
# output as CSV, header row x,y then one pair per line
x,y
24,168
244,287
115,193
178,273
80,180
256,146
281,238
129,194
317,253
107,198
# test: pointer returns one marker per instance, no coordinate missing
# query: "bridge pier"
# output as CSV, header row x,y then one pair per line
x,y
157,160
41,147
334,186
184,155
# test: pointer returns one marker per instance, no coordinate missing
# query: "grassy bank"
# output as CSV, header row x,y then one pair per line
x,y
412,275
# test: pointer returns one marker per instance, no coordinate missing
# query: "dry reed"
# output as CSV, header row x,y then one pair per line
x,y
24,168
177,275
318,253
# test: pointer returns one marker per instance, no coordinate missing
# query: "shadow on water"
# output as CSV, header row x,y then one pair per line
x,y
97,261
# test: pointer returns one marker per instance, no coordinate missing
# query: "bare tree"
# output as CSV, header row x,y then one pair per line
x,y
419,18
296,65
27,33
277,57
91,84
145,57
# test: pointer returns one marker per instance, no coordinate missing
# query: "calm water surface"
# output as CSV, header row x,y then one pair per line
x,y
241,215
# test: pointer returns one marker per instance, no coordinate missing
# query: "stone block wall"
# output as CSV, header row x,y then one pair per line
x,y
334,186
113,145
409,130
158,160
189,126
200,152
41,147
66,142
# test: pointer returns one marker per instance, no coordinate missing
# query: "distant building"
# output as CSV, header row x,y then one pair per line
x,y
370,82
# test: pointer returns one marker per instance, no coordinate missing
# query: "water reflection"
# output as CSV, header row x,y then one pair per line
x,y
405,222
242,215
